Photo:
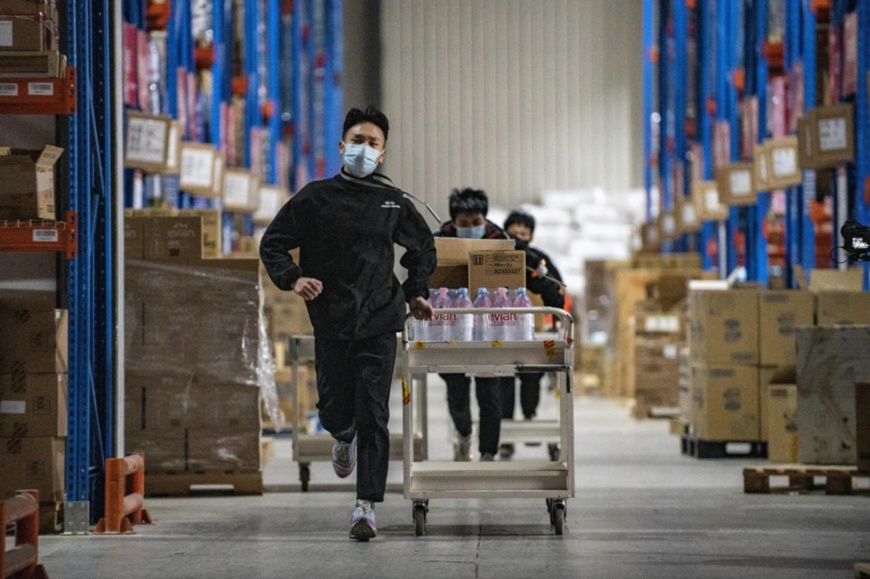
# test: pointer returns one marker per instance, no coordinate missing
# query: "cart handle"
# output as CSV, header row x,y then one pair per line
x,y
563,316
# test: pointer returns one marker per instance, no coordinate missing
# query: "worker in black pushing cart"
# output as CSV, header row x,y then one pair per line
x,y
345,228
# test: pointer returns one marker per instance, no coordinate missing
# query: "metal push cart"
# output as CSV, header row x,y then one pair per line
x,y
549,480
311,447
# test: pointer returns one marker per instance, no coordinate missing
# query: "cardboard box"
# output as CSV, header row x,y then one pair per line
x,y
862,424
708,202
26,32
832,133
493,269
40,8
224,451
451,270
212,230
175,238
830,361
200,174
725,403
736,184
784,163
688,220
148,142
723,326
163,402
779,313
761,167
839,308
781,434
134,238
851,280
33,405
41,339
33,64
28,184
33,463
657,372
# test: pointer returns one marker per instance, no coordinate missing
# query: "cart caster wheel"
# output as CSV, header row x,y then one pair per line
x,y
554,452
558,516
419,520
304,476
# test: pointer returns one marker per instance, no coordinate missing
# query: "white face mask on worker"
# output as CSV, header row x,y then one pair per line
x,y
361,160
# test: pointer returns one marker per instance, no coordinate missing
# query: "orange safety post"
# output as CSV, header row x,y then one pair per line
x,y
125,495
22,561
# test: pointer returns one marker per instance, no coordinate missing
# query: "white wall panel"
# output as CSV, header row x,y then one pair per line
x,y
512,96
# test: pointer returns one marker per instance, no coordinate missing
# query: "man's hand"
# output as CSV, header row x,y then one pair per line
x,y
421,309
308,288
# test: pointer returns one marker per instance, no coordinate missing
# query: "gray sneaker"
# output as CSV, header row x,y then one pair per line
x,y
462,449
487,457
362,522
344,457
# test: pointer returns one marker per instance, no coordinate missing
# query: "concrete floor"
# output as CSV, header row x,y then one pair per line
x,y
641,510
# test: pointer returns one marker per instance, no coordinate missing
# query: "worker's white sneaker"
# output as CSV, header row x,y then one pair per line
x,y
462,449
344,457
362,522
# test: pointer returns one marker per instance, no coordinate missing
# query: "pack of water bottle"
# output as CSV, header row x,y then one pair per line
x,y
489,327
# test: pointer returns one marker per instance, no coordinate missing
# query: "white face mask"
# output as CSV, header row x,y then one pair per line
x,y
361,160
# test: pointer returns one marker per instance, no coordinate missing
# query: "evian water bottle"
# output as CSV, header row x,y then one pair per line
x,y
525,326
441,326
464,322
481,330
502,324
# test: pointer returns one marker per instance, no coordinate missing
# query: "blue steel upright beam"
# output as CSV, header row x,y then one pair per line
x,y
807,193
758,244
705,118
648,98
273,24
861,203
726,103
680,73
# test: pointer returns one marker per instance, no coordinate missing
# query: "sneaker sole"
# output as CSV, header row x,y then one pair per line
x,y
341,473
362,531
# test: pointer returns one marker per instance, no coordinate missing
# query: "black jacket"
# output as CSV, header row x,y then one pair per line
x,y
551,292
345,229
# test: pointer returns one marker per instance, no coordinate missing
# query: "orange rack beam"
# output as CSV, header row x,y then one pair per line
x,y
39,235
39,96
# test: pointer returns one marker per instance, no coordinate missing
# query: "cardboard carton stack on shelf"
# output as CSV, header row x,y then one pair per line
x,y
33,393
724,349
832,358
28,183
644,300
192,342
29,40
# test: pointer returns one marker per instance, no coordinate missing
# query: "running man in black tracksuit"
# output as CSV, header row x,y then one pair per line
x,y
345,228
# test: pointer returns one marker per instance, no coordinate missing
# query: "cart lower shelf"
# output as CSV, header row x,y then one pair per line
x,y
526,479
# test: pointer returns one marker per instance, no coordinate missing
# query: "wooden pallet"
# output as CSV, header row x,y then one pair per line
x,y
50,518
838,480
722,449
195,483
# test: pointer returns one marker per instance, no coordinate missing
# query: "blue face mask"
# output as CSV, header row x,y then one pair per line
x,y
475,232
360,160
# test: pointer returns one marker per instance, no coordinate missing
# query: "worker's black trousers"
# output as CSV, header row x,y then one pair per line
x,y
530,394
488,395
353,387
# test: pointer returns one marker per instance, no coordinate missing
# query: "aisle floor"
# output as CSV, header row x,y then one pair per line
x,y
641,510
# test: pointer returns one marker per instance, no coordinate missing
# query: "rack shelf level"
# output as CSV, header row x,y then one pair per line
x,y
40,235
39,96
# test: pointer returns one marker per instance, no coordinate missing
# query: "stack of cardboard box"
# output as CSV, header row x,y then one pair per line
x,y
831,358
29,41
192,340
659,335
28,183
33,391
724,348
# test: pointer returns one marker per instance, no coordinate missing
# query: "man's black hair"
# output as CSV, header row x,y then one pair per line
x,y
370,115
520,218
468,200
